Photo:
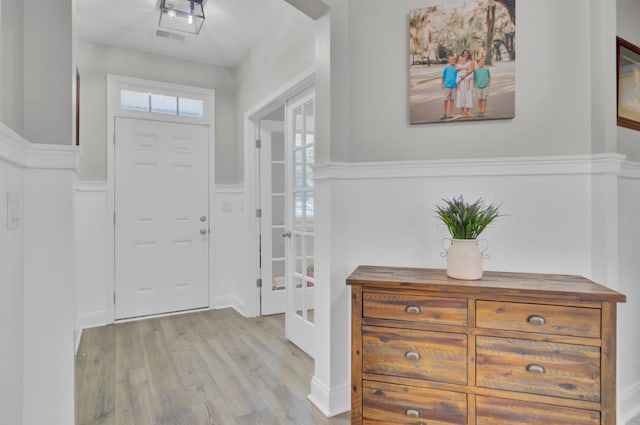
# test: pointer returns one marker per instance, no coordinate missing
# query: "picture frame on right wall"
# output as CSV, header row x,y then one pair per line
x,y
628,84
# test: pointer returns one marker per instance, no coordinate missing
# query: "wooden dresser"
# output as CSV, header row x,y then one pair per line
x,y
505,350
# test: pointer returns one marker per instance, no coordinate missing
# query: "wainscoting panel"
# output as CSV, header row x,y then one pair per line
x,y
560,214
12,159
95,303
629,280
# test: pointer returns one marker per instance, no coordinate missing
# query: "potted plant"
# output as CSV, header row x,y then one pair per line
x,y
465,222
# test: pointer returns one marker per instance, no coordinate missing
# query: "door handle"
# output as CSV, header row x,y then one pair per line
x,y
203,231
286,234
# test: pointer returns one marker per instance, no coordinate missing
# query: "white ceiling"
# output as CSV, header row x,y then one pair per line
x,y
231,27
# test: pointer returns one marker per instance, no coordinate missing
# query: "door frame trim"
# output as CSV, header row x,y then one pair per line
x,y
277,98
115,83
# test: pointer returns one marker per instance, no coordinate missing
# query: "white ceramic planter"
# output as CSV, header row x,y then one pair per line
x,y
464,259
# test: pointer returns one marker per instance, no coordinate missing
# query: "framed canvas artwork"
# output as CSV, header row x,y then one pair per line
x,y
462,57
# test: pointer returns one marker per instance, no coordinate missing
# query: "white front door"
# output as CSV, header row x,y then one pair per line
x,y
299,232
161,217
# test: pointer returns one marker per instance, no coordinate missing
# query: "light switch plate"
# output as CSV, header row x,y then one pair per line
x,y
14,213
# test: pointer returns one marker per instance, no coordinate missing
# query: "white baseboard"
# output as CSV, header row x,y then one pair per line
x,y
330,401
630,403
87,321
230,301
77,336
94,320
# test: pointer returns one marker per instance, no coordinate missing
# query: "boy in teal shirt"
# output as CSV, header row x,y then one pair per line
x,y
482,77
449,85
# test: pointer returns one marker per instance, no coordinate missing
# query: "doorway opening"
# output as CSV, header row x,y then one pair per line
x,y
280,158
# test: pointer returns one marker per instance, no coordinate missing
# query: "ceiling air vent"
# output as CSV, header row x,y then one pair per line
x,y
170,35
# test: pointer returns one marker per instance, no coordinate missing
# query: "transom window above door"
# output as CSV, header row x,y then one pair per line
x,y
161,104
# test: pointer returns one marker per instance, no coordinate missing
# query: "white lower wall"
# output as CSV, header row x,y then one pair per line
x,y
91,256
383,214
37,285
12,152
49,297
230,253
629,277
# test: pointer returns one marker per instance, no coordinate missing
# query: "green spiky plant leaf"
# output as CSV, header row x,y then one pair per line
x,y
466,220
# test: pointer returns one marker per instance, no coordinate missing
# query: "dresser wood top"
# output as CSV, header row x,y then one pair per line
x,y
508,283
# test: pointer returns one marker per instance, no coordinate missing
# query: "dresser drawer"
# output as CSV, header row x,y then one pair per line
x,y
435,356
498,411
549,319
536,367
402,405
443,311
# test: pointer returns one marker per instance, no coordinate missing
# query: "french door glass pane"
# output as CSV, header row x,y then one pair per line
x,y
298,126
278,203
277,177
277,250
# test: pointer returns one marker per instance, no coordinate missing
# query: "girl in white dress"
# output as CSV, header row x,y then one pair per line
x,y
465,67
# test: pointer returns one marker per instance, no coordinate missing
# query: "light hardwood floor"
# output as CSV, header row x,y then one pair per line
x,y
207,368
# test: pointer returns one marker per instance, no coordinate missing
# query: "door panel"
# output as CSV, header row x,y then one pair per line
x,y
272,223
162,217
300,197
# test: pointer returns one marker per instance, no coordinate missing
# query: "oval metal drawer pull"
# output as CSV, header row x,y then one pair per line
x,y
412,355
412,413
536,319
536,368
413,309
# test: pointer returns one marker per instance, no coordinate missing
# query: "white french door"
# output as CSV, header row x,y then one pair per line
x,y
272,166
300,214
161,217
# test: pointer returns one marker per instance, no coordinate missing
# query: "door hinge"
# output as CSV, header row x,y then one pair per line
x,y
258,143
114,297
259,283
114,218
114,139
258,212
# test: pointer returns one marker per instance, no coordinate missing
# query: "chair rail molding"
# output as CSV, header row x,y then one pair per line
x,y
585,164
13,147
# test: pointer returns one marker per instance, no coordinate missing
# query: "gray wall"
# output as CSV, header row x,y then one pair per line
x,y
552,104
285,52
95,61
11,104
37,88
49,72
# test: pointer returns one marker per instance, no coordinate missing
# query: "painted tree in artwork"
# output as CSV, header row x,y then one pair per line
x,y
507,29
485,27
510,5
429,31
